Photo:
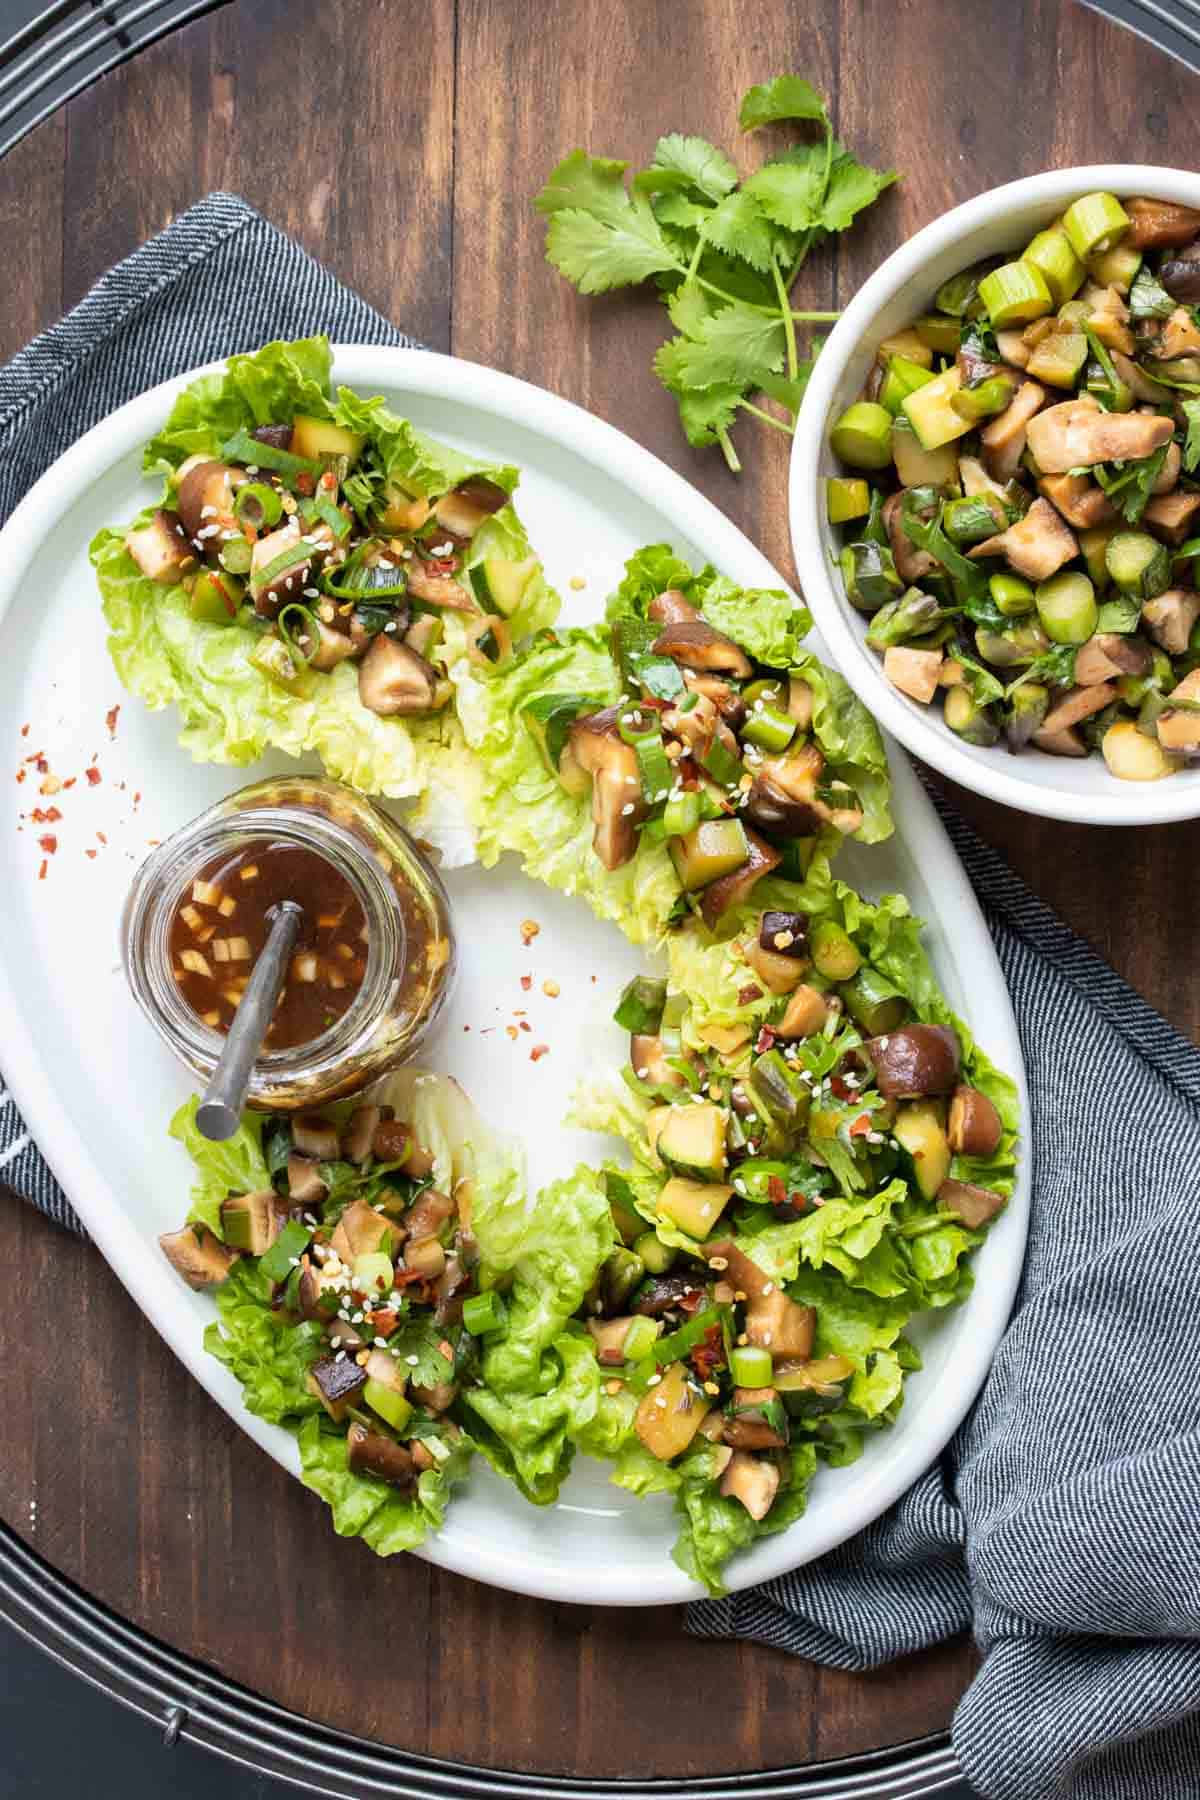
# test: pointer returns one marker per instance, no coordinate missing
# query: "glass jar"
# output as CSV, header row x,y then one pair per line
x,y
410,963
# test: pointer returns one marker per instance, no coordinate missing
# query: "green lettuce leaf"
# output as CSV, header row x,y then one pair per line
x,y
264,388
852,744
387,1520
714,1529
270,1357
236,1166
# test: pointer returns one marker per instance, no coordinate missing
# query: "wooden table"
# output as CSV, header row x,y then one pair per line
x,y
401,143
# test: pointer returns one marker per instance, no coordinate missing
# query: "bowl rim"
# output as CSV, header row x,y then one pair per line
x,y
1132,803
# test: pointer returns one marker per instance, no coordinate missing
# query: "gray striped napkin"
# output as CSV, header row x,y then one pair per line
x,y
1057,1524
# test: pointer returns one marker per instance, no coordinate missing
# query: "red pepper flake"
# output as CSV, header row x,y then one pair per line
x,y
91,854
747,995
538,1051
110,719
384,1320
526,982
306,483
45,815
137,799
71,782
93,776
101,837
861,1125
764,1041
708,1356
525,1025
24,731
838,1086
21,774
776,1191
42,871
39,756
49,843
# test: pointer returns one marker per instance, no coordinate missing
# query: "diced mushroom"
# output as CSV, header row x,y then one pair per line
x,y
672,608
976,480
325,647
718,693
437,590
804,1015
392,1140
740,1269
915,1060
696,644
734,889
392,679
912,565
462,511
1168,475
161,550
745,1431
1170,515
1078,705
335,1381
202,1259
780,1325
753,1481
428,1213
617,801
1170,617
1060,743
915,672
1037,545
1080,501
609,1338
314,1136
204,500
1138,382
1180,275
1179,727
305,1187
1077,435
359,1231
1109,317
661,1293
1003,439
1154,224
436,1397
423,634
358,1138
1107,656
371,1453
1013,348
974,1127
269,594
973,1205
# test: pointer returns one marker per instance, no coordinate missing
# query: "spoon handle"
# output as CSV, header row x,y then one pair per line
x,y
219,1113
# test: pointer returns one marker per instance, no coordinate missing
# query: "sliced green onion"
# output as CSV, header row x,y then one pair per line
x,y
1053,253
483,1312
640,1339
647,745
236,555
308,629
258,505
291,558
1014,294
358,579
1095,223
769,727
247,450
751,1367
1013,596
1066,606
676,1344
293,1240
722,764
681,813
333,516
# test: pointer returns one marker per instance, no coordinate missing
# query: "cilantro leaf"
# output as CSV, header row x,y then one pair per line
x,y
1191,448
1129,484
689,306
852,186
788,393
1055,667
787,97
676,209
707,412
968,579
701,164
790,188
1148,299
738,227
598,236
420,1337
736,344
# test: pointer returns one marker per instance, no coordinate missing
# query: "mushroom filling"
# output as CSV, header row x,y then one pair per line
x,y
832,1097
298,530
379,1268
1023,490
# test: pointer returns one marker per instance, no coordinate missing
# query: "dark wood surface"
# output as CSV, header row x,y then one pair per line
x,y
401,143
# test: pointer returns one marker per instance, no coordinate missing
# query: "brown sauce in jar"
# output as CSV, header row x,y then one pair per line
x,y
221,924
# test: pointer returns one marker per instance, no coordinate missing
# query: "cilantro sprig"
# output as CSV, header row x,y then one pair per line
x,y
723,250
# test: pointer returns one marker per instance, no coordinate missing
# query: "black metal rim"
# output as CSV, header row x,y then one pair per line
x,y
187,1701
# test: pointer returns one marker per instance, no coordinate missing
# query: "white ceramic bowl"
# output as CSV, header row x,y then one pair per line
x,y
1004,219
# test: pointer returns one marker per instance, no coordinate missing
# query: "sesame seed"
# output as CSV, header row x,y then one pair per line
x,y
627,809
654,1381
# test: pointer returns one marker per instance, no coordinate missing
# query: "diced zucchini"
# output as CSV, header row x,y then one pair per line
x,y
717,847
640,1008
906,343
385,1401
931,415
918,1129
627,1219
833,952
921,468
1015,294
251,1222
1094,544
940,332
695,1206
500,584
873,1002
903,377
670,1414
692,1141
862,437
846,497
317,438
273,659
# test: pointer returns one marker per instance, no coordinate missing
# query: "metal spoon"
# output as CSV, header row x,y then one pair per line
x,y
219,1113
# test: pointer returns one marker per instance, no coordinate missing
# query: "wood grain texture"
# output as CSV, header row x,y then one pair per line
x,y
402,144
